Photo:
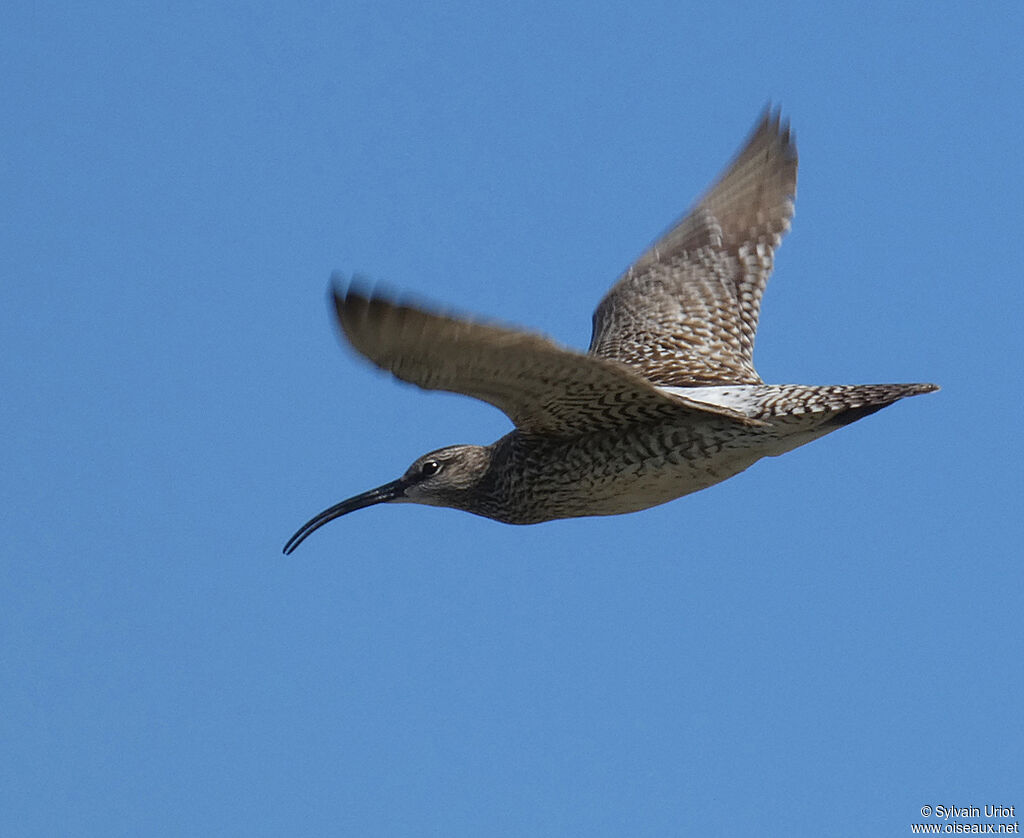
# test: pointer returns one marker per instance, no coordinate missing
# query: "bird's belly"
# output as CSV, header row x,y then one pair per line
x,y
628,472
659,480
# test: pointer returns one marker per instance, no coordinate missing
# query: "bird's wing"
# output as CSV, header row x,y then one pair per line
x,y
685,313
541,387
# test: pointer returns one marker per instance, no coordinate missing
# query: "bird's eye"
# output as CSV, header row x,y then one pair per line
x,y
430,468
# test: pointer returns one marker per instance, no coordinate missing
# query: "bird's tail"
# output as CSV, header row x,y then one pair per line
x,y
836,405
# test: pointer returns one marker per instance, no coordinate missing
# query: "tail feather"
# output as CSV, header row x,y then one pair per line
x,y
848,402
834,405
852,414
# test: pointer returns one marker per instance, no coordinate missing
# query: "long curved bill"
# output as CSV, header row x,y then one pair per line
x,y
382,494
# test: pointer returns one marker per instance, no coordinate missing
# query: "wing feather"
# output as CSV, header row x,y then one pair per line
x,y
686,312
540,386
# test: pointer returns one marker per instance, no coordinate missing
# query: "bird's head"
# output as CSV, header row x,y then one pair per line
x,y
446,477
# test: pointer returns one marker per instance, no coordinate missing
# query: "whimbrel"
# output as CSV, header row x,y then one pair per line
x,y
666,400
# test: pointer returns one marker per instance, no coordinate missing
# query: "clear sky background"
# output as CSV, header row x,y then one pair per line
x,y
821,645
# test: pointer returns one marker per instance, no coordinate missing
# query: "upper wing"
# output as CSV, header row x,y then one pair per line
x,y
685,313
540,386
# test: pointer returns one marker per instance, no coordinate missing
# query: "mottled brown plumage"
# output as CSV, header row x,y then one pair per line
x,y
542,387
666,401
685,313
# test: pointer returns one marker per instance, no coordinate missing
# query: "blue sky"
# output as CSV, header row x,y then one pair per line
x,y
823,644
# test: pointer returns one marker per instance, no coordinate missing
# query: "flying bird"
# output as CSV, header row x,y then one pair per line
x,y
665,402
